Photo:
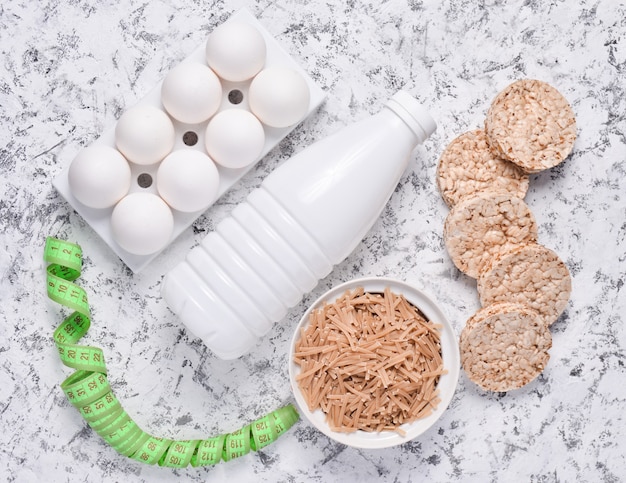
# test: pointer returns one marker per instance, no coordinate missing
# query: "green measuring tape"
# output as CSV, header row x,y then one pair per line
x,y
88,387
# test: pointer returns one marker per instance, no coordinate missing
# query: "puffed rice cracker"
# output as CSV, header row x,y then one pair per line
x,y
481,227
489,311
504,347
531,124
468,165
532,275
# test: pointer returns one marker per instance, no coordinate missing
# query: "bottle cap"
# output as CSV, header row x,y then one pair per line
x,y
413,114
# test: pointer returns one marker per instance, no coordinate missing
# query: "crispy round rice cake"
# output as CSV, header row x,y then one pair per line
x,y
504,347
468,165
531,124
532,275
481,227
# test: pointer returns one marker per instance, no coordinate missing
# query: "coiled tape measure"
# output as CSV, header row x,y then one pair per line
x,y
89,391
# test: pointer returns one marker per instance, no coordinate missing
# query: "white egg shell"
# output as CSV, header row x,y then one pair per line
x,y
144,134
191,92
279,96
236,51
234,138
188,180
99,176
142,223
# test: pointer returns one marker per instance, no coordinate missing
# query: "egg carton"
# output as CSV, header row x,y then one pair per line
x,y
234,96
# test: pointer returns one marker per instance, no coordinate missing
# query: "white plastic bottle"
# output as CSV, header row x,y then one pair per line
x,y
307,216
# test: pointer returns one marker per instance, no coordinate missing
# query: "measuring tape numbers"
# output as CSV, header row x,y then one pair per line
x,y
88,389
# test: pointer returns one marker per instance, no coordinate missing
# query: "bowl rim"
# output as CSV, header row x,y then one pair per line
x,y
447,383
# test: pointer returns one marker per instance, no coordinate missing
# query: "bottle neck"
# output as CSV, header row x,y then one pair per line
x,y
413,114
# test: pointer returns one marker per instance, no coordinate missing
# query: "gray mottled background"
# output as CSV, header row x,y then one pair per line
x,y
70,68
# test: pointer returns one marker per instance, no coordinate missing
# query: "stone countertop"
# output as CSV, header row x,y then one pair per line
x,y
68,71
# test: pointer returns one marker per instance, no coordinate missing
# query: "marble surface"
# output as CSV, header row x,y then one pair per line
x,y
70,68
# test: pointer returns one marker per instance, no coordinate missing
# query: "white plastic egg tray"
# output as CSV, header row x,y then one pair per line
x,y
143,176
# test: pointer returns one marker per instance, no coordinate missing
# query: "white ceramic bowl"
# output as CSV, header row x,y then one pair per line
x,y
447,382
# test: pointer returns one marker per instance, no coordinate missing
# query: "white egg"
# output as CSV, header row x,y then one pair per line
x,y
99,176
142,223
279,96
144,134
191,92
188,180
236,51
234,138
